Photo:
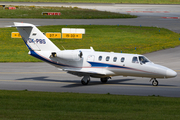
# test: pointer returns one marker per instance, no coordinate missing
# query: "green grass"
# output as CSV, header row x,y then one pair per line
x,y
103,1
66,13
21,105
100,37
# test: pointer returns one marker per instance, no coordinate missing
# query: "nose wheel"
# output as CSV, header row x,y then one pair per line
x,y
154,82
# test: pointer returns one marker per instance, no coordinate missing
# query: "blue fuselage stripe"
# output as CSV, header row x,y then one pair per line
x,y
97,64
34,54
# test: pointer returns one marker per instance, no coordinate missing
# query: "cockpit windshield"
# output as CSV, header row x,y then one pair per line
x,y
143,59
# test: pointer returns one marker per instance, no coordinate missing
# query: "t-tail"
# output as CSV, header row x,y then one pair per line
x,y
42,48
34,39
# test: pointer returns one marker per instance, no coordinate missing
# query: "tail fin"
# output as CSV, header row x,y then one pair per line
x,y
34,39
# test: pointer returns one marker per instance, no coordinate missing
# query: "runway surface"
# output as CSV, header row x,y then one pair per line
x,y
43,77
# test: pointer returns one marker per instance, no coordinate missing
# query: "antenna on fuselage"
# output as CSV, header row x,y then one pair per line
x,y
92,48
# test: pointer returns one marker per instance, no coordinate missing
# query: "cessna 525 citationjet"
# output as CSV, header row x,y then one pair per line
x,y
88,63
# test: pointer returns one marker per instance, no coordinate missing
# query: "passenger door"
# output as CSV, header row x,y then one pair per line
x,y
90,58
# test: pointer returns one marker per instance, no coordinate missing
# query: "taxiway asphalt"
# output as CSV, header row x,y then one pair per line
x,y
44,77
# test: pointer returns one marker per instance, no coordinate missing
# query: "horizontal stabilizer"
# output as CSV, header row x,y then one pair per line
x,y
18,24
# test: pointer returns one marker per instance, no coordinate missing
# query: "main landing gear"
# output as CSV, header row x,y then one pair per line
x,y
154,82
85,80
104,80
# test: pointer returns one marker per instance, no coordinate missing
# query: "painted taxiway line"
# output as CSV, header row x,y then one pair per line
x,y
32,72
31,81
171,17
120,85
143,85
43,72
147,11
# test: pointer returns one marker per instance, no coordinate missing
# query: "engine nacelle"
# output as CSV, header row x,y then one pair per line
x,y
71,55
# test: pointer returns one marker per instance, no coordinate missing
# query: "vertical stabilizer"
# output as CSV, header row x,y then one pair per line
x,y
34,38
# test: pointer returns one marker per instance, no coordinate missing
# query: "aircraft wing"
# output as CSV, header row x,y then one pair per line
x,y
99,73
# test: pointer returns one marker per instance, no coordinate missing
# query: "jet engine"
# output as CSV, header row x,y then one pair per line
x,y
71,55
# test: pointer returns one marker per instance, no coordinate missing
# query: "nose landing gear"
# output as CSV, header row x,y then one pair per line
x,y
154,82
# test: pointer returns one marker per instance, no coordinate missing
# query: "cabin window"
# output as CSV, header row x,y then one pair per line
x,y
107,58
100,58
122,59
135,60
115,59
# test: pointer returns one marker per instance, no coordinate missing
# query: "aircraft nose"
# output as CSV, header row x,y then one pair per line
x,y
170,73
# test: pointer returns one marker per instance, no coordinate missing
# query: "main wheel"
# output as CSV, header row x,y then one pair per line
x,y
155,83
83,82
104,80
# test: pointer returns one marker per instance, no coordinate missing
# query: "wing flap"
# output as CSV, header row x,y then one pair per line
x,y
91,72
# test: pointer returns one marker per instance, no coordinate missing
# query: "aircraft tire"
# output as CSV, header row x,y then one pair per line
x,y
85,83
104,80
155,83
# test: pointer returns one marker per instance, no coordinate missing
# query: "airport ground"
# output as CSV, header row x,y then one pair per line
x,y
43,77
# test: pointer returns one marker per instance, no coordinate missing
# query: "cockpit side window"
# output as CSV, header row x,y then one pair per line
x,y
143,59
135,60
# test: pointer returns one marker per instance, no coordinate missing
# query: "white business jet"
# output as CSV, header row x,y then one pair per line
x,y
88,63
